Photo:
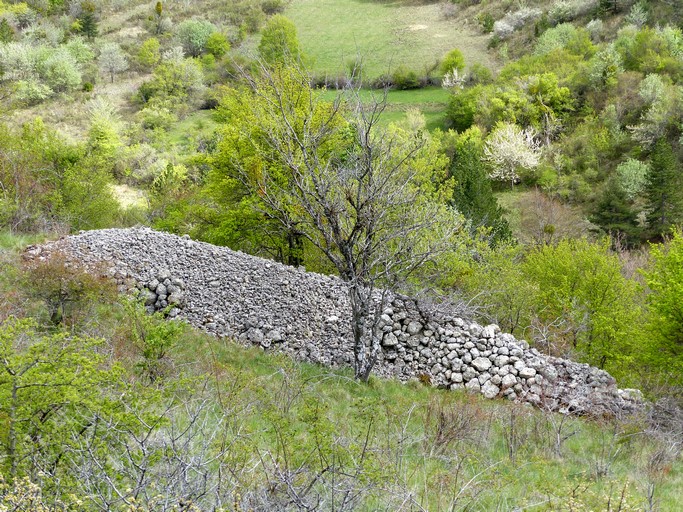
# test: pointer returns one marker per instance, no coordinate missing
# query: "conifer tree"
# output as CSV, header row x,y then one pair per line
x,y
473,195
6,32
88,20
663,190
615,214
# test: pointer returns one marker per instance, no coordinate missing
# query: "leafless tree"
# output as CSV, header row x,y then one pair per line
x,y
355,191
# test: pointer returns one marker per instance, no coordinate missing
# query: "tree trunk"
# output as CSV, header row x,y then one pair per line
x,y
359,314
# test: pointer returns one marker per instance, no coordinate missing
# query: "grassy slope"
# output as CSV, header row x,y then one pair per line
x,y
385,34
445,450
491,455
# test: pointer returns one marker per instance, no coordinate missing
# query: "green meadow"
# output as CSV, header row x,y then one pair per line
x,y
385,34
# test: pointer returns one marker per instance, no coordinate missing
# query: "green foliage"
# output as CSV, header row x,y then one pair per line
x,y
454,60
87,20
581,284
46,183
486,20
565,35
193,35
104,138
462,107
472,193
217,45
569,297
80,50
149,53
45,384
616,214
31,92
651,50
172,82
69,294
605,67
665,280
153,337
279,44
663,190
404,79
6,31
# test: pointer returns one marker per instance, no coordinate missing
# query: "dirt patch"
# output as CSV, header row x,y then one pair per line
x,y
413,28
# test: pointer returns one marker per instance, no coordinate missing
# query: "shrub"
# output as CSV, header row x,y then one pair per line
x,y
404,78
193,35
149,53
278,41
67,291
454,60
30,92
61,72
217,45
486,20
271,7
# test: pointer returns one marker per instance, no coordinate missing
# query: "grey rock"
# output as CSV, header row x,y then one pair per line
x,y
490,390
414,328
527,372
389,340
481,364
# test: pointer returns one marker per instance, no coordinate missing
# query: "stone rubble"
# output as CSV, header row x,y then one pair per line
x,y
305,315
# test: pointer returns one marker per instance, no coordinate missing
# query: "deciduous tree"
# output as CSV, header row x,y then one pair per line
x,y
359,195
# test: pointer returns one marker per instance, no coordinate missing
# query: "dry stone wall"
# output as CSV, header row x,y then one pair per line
x,y
306,315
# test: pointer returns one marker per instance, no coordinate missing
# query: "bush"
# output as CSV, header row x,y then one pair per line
x,y
157,117
149,53
279,42
193,35
454,60
271,7
31,92
461,108
61,71
217,45
404,78
486,20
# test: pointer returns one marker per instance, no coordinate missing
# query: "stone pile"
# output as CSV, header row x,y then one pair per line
x,y
306,315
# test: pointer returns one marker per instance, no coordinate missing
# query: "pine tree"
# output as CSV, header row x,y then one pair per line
x,y
88,20
615,214
663,191
473,195
6,32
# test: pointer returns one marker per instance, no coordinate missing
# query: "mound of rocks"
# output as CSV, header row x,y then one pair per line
x,y
306,315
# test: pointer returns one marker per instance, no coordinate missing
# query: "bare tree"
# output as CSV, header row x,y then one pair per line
x,y
361,195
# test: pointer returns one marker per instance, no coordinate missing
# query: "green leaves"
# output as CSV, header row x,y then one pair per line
x,y
45,379
665,280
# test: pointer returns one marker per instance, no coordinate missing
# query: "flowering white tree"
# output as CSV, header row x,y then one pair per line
x,y
453,79
112,59
511,148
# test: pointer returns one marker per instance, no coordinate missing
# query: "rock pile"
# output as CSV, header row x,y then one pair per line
x,y
259,302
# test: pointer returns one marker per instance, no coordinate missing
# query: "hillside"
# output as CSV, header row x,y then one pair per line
x,y
196,421
479,196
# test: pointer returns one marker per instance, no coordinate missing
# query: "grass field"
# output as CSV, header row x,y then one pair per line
x,y
385,34
430,101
